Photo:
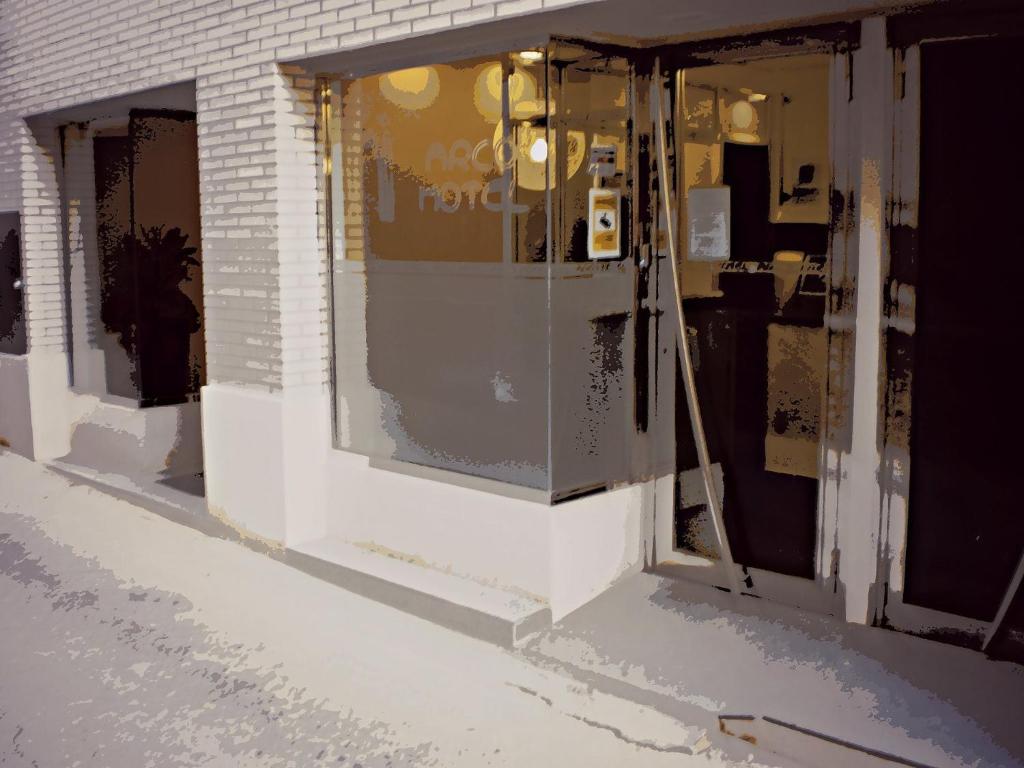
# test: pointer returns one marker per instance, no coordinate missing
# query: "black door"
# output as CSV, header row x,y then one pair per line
x,y
965,522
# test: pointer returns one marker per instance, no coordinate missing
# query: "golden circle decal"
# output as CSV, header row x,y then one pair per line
x,y
411,89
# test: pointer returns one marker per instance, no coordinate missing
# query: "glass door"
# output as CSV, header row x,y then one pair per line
x,y
754,147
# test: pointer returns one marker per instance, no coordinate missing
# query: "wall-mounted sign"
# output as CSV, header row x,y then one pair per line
x,y
605,206
707,213
602,160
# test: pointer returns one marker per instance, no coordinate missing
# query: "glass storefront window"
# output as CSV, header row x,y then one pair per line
x,y
593,274
438,209
483,269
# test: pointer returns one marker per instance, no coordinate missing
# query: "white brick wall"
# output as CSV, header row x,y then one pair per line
x,y
42,238
264,278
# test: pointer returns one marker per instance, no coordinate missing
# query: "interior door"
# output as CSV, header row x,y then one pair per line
x,y
754,146
954,413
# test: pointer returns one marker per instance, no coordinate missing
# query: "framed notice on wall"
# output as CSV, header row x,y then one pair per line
x,y
708,223
605,208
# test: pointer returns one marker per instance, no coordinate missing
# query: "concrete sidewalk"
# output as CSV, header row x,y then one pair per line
x,y
693,652
131,640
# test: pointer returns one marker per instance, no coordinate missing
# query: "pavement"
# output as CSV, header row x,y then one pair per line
x,y
127,639
694,652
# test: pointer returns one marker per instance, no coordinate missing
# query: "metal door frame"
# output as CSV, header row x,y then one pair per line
x,y
907,33
822,593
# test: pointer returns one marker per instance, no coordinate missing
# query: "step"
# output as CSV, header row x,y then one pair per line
x,y
116,436
179,499
485,612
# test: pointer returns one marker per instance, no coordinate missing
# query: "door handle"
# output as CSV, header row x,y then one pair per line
x,y
645,256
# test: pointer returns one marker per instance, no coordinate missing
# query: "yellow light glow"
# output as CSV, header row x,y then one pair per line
x,y
532,155
411,89
527,108
791,257
539,151
522,89
742,115
531,57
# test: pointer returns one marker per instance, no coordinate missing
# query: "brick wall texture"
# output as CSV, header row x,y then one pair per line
x,y
264,271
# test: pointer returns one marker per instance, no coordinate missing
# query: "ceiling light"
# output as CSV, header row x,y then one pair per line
x,y
539,151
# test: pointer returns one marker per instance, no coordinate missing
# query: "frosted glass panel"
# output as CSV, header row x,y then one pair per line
x,y
438,214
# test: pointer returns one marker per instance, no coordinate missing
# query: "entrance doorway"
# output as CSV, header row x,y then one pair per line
x,y
754,150
135,289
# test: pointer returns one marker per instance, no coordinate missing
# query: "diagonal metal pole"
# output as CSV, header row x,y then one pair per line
x,y
696,422
1004,607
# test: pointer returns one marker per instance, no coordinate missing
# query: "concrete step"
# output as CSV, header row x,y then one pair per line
x,y
115,436
488,613
475,609
180,499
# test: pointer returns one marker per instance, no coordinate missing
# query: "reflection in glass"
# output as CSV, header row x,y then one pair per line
x,y
756,138
438,209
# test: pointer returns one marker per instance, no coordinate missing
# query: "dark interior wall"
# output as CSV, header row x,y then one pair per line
x,y
965,529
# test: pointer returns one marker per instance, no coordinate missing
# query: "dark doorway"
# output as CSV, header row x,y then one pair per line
x,y
966,530
147,201
12,305
118,303
770,515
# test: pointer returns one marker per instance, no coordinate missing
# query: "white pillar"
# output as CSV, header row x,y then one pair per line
x,y
859,490
43,274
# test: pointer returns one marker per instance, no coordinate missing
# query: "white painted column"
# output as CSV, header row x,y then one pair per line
x,y
859,490
43,275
